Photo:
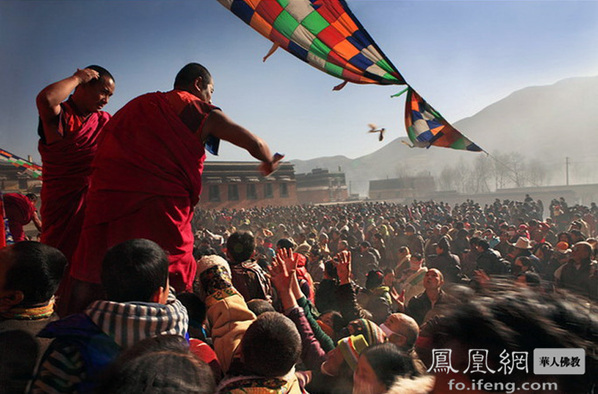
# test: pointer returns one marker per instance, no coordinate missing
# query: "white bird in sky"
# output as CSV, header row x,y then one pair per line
x,y
375,129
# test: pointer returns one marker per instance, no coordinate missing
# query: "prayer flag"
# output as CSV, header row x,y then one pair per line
x,y
33,169
426,127
322,33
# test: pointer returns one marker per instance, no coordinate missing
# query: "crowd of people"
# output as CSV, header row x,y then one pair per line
x,y
321,299
135,290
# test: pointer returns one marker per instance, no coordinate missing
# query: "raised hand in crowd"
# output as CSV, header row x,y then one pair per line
x,y
343,267
398,299
283,276
481,277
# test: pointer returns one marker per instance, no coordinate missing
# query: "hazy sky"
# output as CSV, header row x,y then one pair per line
x,y
459,55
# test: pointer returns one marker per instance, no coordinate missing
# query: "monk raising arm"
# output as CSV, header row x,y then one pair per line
x,y
49,99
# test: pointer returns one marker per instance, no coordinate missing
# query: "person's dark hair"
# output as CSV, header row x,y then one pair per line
x,y
161,364
566,235
532,279
31,196
330,269
338,323
374,279
462,233
271,345
482,243
199,252
417,256
285,243
473,241
525,261
134,270
196,308
104,74
259,306
365,244
344,243
240,246
389,362
315,251
36,271
545,248
580,236
188,74
443,244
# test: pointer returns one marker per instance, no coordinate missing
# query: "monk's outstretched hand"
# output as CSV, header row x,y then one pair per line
x,y
267,168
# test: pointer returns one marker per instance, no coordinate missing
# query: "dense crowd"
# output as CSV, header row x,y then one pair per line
x,y
132,291
341,298
380,232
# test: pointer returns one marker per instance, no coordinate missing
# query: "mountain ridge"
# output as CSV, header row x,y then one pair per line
x,y
545,123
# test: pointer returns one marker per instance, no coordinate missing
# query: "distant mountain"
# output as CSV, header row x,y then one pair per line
x,y
559,119
547,123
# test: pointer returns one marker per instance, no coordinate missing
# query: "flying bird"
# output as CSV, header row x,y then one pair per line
x,y
375,129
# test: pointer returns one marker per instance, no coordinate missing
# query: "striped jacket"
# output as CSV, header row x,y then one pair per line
x,y
86,343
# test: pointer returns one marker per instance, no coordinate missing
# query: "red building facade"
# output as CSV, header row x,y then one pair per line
x,y
238,185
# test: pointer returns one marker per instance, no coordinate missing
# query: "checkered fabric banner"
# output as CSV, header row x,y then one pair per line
x,y
323,33
33,169
426,127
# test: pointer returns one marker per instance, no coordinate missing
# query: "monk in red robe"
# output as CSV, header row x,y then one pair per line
x,y
20,210
4,225
147,177
69,132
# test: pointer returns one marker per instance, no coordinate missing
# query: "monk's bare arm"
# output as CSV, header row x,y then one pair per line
x,y
221,126
49,99
37,222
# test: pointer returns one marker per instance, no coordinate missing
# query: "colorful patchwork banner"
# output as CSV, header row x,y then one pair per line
x,y
33,169
323,33
326,35
426,127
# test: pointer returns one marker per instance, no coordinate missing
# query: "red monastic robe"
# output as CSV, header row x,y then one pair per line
x,y
146,181
66,175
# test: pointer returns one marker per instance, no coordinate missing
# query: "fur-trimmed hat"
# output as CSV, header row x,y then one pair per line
x,y
523,243
210,261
